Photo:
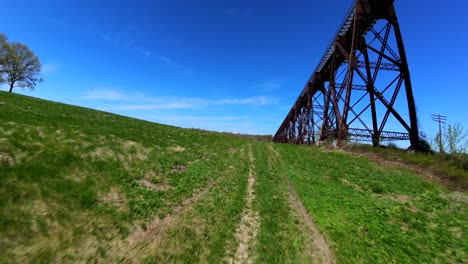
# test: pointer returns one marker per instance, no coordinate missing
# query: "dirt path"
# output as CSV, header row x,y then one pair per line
x,y
321,251
273,150
248,228
418,170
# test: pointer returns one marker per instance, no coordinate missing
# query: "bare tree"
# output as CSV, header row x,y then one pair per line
x,y
19,66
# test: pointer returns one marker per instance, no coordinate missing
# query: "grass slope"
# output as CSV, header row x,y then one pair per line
x,y
378,214
82,185
450,170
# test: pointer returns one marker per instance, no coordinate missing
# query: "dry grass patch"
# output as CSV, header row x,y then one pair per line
x,y
459,197
8,132
179,168
115,198
232,151
143,241
60,135
355,186
129,152
403,226
40,133
154,182
6,159
457,232
50,235
136,151
399,198
40,207
76,175
177,149
101,153
162,185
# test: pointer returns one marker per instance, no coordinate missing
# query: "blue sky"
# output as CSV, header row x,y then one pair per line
x,y
221,65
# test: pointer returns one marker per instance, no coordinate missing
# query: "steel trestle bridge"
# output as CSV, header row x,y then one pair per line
x,y
360,83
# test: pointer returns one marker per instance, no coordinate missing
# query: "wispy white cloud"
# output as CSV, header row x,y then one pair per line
x,y
129,43
256,100
139,101
102,94
48,68
233,124
240,13
189,118
171,105
166,60
125,39
68,25
147,52
268,86
106,37
128,39
188,112
170,62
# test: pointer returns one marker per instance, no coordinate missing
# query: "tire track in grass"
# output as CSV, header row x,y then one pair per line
x,y
316,244
146,240
322,253
249,225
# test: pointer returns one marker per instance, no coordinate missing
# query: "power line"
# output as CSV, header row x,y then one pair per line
x,y
441,120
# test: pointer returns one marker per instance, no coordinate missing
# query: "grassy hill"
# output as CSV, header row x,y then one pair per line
x,y
82,185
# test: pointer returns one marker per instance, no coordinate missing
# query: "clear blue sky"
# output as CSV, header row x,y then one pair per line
x,y
222,65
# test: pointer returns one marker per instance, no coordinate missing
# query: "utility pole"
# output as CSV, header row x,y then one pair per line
x,y
441,120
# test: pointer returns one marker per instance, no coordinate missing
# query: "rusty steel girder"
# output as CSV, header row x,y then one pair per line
x,y
356,86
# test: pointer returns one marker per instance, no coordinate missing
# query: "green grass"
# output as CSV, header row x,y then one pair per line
x,y
451,169
79,185
281,238
67,160
200,234
74,177
375,214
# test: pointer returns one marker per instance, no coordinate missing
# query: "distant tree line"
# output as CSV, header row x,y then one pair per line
x,y
19,66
